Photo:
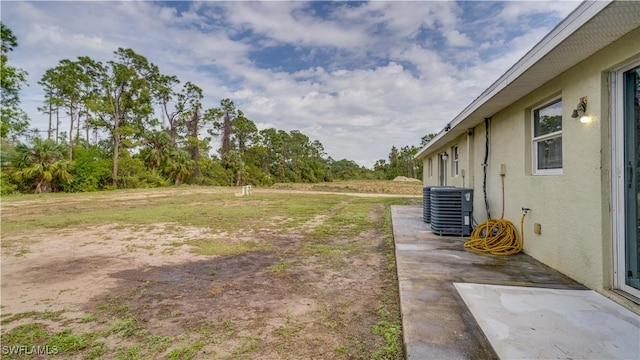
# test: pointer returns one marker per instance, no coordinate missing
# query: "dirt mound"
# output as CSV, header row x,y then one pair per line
x,y
404,178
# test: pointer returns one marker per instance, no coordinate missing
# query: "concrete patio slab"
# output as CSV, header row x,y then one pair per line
x,y
437,323
537,323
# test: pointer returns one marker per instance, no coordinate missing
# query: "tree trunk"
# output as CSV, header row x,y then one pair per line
x,y
50,119
57,123
70,145
173,134
78,131
194,149
86,123
173,128
226,134
116,145
117,118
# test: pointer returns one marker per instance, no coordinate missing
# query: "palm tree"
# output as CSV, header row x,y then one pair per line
x,y
179,166
43,164
156,150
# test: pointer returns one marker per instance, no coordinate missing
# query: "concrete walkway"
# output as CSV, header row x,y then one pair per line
x,y
457,304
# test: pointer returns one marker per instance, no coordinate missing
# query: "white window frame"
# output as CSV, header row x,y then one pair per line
x,y
430,167
535,140
456,156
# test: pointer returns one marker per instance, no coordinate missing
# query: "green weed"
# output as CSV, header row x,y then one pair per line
x,y
114,307
22,252
288,330
139,291
66,342
87,319
25,335
249,344
124,327
391,330
159,343
222,248
11,318
280,267
185,353
228,325
129,353
98,348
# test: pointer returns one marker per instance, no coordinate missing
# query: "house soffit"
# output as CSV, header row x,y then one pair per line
x,y
603,28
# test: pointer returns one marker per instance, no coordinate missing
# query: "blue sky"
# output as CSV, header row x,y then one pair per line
x,y
358,76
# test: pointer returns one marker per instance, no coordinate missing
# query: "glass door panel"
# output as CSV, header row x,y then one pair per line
x,y
631,113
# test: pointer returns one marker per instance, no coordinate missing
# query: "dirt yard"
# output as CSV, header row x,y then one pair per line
x,y
198,273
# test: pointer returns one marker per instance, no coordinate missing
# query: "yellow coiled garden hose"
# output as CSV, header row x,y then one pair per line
x,y
497,237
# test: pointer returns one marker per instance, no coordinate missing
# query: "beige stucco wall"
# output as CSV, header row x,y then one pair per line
x,y
573,208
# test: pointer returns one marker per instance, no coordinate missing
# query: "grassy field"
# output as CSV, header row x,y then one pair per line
x,y
359,186
200,273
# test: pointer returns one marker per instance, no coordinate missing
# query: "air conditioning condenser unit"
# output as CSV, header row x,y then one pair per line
x,y
451,211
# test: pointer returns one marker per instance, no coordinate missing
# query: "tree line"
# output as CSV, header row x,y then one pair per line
x,y
125,124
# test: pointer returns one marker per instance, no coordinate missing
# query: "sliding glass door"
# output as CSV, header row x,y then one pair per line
x,y
627,172
631,111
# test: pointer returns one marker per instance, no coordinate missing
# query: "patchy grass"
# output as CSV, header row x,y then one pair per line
x,y
186,352
28,335
221,247
46,315
276,275
280,267
359,186
214,211
66,342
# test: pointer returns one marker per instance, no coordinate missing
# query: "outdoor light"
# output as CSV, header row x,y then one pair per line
x,y
581,111
445,156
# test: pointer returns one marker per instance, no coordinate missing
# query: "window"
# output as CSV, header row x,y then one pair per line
x,y
456,168
547,139
430,167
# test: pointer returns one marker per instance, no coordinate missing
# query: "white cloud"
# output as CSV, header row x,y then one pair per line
x,y
456,38
286,22
53,37
514,11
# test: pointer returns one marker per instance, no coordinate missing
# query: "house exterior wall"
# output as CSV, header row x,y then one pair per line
x,y
459,180
573,208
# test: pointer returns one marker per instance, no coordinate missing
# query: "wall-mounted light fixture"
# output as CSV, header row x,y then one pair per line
x,y
581,111
445,156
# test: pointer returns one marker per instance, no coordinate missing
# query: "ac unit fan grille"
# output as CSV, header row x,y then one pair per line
x,y
426,201
426,204
451,210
